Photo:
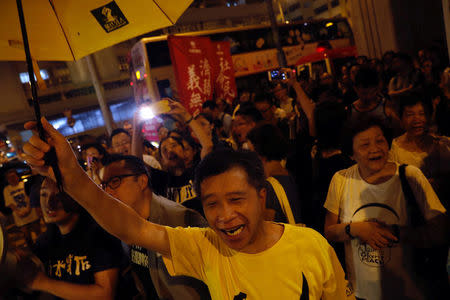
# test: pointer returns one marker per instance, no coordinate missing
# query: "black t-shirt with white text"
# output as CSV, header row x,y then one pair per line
x,y
75,257
140,263
176,188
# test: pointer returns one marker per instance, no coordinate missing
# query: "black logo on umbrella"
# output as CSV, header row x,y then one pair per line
x,y
110,17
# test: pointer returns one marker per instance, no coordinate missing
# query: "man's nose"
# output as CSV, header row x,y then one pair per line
x,y
226,214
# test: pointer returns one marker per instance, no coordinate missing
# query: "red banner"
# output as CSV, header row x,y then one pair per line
x,y
192,61
225,84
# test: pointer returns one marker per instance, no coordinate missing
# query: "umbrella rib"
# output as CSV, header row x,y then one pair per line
x,y
62,29
156,3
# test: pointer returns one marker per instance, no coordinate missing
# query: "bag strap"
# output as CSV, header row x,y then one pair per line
x,y
283,199
414,211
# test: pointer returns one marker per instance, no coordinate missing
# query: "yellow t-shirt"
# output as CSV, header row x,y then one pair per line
x,y
300,262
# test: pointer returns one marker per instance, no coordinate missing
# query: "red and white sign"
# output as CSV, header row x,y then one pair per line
x,y
150,130
225,84
193,66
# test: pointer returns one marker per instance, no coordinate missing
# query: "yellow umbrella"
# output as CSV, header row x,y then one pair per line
x,y
70,29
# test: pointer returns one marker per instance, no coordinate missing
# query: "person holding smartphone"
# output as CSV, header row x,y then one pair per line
x,y
96,156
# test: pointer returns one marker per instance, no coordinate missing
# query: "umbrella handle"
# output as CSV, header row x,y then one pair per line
x,y
52,161
50,157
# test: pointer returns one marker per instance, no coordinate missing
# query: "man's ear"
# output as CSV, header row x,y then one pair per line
x,y
143,181
262,194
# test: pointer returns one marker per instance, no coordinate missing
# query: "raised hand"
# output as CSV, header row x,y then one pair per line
x,y
178,111
36,148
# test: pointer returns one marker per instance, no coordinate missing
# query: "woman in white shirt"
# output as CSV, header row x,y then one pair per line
x,y
367,211
421,148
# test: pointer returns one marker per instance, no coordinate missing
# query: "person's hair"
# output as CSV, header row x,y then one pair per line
x,y
249,111
132,164
178,140
366,77
11,170
403,57
363,57
261,98
413,98
100,149
329,116
359,125
147,144
68,203
268,141
191,141
205,116
196,147
177,133
277,85
117,131
209,104
387,53
221,161
161,125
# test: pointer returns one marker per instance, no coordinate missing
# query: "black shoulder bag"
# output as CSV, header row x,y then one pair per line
x,y
429,264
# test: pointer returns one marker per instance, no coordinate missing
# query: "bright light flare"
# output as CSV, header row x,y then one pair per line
x,y
329,24
146,113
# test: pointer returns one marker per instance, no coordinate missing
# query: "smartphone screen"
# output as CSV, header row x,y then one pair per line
x,y
277,75
89,161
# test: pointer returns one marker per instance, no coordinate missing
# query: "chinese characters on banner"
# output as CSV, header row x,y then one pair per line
x,y
225,85
193,66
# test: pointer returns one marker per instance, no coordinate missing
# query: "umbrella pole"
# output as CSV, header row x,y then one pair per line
x,y
50,157
34,98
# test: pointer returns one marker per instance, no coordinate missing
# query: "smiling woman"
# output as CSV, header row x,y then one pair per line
x,y
367,211
421,148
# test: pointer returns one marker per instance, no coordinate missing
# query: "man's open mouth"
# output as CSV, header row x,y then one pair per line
x,y
376,158
233,231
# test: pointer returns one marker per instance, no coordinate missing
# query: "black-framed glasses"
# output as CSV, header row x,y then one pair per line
x,y
115,181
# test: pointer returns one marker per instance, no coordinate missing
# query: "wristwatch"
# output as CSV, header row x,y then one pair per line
x,y
347,231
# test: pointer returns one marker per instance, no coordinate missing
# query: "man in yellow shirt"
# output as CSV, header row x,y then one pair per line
x,y
240,256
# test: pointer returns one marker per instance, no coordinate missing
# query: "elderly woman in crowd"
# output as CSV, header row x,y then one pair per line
x,y
368,212
419,147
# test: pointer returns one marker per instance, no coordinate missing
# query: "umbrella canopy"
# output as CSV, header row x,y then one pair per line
x,y
70,29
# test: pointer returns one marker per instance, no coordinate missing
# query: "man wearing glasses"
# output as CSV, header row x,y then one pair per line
x,y
126,178
120,141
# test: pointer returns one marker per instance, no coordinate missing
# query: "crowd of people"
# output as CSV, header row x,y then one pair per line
x,y
243,200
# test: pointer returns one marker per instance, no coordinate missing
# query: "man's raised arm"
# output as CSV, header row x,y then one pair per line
x,y
115,217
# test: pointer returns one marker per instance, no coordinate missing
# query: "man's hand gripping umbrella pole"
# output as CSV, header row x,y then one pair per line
x,y
49,158
48,152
